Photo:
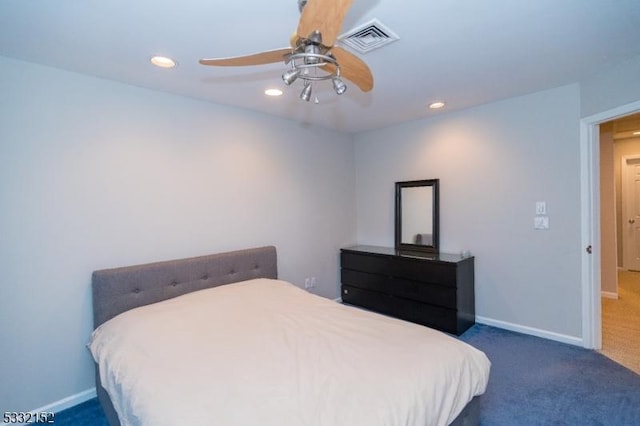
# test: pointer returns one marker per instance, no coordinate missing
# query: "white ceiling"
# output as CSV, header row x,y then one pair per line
x,y
465,52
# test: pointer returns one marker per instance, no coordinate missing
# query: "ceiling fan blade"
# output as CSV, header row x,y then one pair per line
x,y
353,69
325,16
267,57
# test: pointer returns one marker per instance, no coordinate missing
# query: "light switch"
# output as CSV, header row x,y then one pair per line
x,y
541,222
541,207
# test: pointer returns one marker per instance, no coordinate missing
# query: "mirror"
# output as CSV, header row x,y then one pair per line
x,y
417,215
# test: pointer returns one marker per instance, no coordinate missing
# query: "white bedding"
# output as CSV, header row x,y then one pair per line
x,y
264,352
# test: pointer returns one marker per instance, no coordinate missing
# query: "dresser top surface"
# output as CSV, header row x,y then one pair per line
x,y
391,251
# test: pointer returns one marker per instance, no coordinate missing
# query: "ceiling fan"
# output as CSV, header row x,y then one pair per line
x,y
313,55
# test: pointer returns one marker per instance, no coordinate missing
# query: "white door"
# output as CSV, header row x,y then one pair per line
x,y
631,213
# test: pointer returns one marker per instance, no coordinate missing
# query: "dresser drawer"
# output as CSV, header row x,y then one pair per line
x,y
414,290
430,272
378,302
431,316
410,269
366,263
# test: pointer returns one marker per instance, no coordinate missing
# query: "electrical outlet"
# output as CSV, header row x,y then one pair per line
x,y
309,283
541,222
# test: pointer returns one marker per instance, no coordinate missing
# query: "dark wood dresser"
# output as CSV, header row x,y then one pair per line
x,y
433,289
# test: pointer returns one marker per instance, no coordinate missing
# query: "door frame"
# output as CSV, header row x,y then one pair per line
x,y
625,204
590,221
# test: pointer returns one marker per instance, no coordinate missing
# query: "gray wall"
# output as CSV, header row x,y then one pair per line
x,y
494,162
616,86
96,174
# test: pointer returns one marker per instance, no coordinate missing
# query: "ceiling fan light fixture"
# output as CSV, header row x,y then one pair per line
x,y
290,76
315,37
338,85
305,95
312,52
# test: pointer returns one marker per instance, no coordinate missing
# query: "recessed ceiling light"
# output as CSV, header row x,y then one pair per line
x,y
273,92
163,62
436,105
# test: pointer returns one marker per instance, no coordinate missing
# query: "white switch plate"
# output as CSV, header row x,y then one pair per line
x,y
541,207
541,222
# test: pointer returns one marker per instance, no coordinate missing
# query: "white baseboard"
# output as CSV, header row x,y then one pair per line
x,y
609,295
68,402
563,338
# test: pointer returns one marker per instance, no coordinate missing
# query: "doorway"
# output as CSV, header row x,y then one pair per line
x,y
591,221
630,211
620,239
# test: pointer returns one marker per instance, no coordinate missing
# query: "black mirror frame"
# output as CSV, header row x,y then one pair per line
x,y
435,247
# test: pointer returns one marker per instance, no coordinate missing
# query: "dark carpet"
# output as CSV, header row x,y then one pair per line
x,y
88,413
536,381
533,382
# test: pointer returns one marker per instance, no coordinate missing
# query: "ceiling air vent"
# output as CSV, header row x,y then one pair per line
x,y
368,37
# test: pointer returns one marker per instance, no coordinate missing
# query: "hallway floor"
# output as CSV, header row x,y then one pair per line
x,y
621,322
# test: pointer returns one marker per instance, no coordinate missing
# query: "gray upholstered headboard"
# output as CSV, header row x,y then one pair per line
x,y
121,289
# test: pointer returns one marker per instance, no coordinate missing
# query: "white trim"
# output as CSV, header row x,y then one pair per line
x,y
545,334
609,295
627,210
614,113
590,221
590,216
68,402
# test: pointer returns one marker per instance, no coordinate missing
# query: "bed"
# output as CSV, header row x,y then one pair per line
x,y
219,340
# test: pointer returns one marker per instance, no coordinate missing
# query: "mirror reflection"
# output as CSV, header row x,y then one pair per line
x,y
417,215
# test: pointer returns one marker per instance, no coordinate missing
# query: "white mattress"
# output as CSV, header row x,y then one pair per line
x,y
264,352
